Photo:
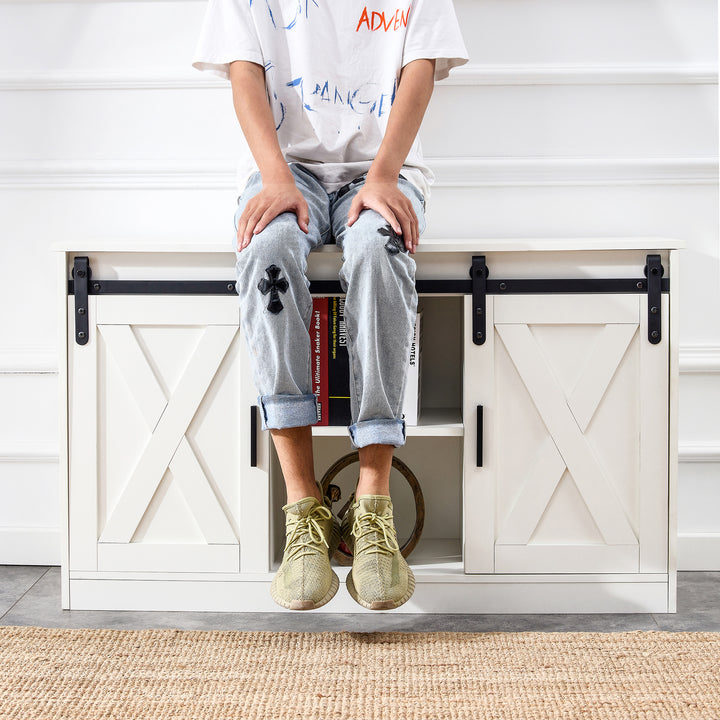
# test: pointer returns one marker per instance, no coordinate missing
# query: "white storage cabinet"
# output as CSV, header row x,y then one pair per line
x,y
546,449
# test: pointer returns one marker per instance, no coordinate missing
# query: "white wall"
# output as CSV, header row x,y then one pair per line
x,y
574,118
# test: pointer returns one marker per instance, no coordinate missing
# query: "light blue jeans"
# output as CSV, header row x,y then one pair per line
x,y
378,279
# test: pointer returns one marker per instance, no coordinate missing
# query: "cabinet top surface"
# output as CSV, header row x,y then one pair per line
x,y
479,245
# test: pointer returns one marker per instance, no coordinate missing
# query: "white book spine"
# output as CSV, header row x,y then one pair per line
x,y
411,401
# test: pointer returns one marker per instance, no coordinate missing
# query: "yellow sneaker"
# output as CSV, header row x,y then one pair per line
x,y
380,578
305,580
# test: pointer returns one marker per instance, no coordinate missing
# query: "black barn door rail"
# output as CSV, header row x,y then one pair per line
x,y
479,286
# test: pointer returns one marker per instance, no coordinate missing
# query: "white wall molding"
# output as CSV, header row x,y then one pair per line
x,y
116,175
699,452
468,75
34,452
43,360
28,360
108,80
29,451
700,359
582,74
471,172
566,171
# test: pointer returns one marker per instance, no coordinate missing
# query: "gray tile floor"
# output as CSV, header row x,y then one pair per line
x,y
30,595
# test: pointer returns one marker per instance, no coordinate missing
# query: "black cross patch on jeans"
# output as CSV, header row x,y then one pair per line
x,y
274,286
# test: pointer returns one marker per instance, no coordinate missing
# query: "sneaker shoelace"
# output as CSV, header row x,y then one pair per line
x,y
296,545
371,522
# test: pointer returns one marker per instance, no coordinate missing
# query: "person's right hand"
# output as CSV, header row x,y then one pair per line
x,y
271,201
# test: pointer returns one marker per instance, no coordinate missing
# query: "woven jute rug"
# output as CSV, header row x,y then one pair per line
x,y
147,674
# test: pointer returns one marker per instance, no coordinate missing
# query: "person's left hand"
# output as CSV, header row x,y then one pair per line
x,y
386,198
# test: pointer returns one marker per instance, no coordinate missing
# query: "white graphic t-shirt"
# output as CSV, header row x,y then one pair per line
x,y
332,69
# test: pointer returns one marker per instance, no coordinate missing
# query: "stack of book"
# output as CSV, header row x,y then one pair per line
x,y
330,364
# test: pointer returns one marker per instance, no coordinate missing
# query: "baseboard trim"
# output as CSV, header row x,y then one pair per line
x,y
698,551
30,545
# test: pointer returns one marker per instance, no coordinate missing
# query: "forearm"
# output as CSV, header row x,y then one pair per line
x,y
256,120
411,100
279,193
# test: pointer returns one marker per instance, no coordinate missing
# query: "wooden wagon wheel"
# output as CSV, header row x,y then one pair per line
x,y
333,492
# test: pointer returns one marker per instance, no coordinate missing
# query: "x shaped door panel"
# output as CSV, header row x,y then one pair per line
x,y
566,421
168,421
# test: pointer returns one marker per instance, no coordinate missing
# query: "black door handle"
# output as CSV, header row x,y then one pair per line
x,y
479,460
253,436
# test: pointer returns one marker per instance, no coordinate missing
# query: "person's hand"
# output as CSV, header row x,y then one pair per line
x,y
264,207
386,198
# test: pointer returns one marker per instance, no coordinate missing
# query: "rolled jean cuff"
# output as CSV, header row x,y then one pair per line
x,y
382,431
285,411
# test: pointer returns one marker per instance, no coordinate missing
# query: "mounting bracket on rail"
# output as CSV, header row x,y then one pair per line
x,y
478,273
81,278
654,272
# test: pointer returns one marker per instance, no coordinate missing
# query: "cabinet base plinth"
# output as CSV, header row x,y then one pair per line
x,y
467,595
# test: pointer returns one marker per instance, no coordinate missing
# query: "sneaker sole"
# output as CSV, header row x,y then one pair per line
x,y
381,604
308,604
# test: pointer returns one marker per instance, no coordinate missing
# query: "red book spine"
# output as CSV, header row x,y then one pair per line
x,y
319,361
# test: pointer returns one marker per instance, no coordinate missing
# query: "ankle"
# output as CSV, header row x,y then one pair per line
x,y
372,486
375,465
300,489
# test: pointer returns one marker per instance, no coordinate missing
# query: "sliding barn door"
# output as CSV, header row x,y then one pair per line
x,y
574,474
160,405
